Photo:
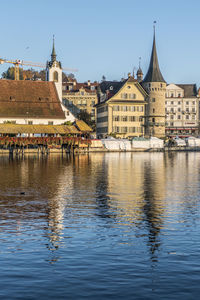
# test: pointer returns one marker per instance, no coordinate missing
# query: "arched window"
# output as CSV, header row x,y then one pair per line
x,y
55,76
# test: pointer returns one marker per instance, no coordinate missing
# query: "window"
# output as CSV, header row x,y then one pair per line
x,y
132,96
187,102
124,108
153,120
187,109
193,102
171,117
179,109
116,108
193,109
132,118
82,93
172,102
161,85
153,110
50,122
124,95
55,76
124,118
179,102
179,117
171,123
30,122
172,95
193,117
179,95
153,100
116,118
187,117
172,109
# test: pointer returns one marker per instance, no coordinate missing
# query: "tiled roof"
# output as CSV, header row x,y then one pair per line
x,y
29,99
82,126
44,129
153,73
190,90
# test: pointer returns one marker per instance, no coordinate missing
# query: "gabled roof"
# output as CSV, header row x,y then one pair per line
x,y
153,73
190,90
29,99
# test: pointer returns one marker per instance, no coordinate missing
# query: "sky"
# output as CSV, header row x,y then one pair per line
x,y
104,37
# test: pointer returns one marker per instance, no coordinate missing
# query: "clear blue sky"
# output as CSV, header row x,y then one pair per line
x,y
105,37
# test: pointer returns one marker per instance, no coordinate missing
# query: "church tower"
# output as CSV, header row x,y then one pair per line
x,y
54,72
155,86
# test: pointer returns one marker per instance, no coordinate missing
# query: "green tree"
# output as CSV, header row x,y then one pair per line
x,y
87,118
10,73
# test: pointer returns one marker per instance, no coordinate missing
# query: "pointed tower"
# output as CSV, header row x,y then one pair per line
x,y
54,71
139,72
155,86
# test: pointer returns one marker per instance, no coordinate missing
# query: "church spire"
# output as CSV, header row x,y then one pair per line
x,y
53,54
154,74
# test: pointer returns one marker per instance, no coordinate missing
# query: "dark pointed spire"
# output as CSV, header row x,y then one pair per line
x,y
154,74
53,54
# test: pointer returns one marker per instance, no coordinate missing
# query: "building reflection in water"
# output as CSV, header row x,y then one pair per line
x,y
134,191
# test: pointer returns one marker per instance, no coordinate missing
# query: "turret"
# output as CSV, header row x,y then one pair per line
x,y
155,86
139,72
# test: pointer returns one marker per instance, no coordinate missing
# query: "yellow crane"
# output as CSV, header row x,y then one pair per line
x,y
18,62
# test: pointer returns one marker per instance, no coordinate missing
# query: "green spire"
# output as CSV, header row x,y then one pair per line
x,y
53,54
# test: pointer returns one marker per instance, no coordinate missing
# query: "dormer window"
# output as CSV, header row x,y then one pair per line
x,y
111,88
12,98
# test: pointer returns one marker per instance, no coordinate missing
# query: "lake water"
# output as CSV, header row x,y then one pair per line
x,y
100,226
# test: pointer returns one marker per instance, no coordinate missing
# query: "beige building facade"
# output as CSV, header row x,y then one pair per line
x,y
121,109
182,110
80,97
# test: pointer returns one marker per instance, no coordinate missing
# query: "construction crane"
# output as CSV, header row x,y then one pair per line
x,y
18,62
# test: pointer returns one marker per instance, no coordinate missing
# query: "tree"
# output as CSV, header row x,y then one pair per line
x,y
10,73
87,118
29,74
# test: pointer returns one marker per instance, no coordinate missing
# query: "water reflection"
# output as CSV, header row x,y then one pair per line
x,y
134,191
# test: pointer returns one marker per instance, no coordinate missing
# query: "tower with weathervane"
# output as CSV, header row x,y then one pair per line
x,y
54,72
155,86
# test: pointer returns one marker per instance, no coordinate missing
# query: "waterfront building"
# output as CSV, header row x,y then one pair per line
x,y
155,85
182,110
31,102
121,108
80,97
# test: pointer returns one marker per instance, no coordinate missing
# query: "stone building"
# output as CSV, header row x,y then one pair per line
x,y
121,108
155,85
80,96
182,110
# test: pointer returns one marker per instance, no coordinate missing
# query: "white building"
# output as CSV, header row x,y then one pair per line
x,y
182,110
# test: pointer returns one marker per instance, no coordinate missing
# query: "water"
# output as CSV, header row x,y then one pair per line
x,y
103,226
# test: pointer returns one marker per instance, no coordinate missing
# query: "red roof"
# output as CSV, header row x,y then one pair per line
x,y
32,99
